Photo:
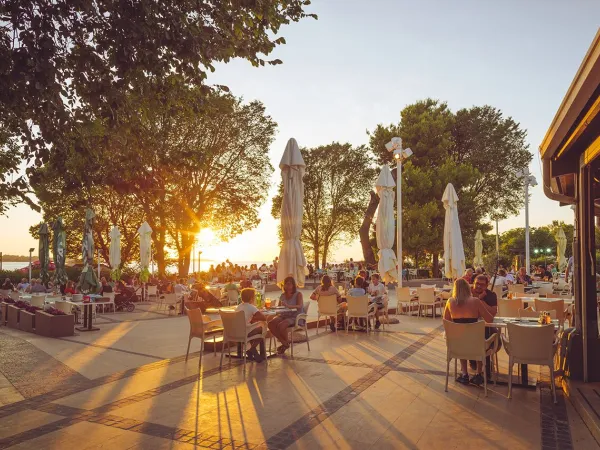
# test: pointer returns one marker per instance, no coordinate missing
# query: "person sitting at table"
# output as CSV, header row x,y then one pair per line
x,y
468,276
231,286
180,288
358,290
522,277
36,287
365,276
464,307
8,285
252,315
377,291
500,278
23,285
70,288
490,301
327,288
105,288
290,298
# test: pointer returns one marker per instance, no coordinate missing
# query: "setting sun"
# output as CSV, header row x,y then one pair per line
x,y
206,236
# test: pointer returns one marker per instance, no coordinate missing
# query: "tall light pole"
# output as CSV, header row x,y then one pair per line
x,y
199,255
30,252
400,154
528,180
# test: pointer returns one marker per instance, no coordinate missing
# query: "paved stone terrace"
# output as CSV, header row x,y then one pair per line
x,y
128,386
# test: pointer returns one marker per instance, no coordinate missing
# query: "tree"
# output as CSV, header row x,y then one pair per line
x,y
205,164
70,62
336,185
457,149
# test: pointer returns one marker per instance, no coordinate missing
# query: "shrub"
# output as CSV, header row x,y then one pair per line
x,y
32,309
21,304
55,312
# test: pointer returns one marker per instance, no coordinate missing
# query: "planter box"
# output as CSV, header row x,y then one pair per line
x,y
26,321
54,326
12,315
4,309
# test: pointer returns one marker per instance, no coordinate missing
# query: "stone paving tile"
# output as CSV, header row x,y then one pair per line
x,y
24,365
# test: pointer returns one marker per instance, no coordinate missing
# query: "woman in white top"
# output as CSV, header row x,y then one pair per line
x,y
252,315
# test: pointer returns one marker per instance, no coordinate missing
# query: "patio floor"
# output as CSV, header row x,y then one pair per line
x,y
128,386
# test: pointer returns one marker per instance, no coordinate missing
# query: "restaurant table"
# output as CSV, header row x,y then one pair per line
x,y
502,323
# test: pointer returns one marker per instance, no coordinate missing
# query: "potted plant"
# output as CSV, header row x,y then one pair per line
x,y
27,318
54,323
12,313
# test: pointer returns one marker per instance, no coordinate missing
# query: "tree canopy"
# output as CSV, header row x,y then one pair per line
x,y
67,63
336,186
453,148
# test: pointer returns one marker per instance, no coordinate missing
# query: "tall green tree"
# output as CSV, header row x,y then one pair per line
x,y
69,62
336,186
453,148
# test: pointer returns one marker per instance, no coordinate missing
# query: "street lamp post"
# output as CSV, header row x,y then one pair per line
x,y
199,256
31,250
400,154
528,180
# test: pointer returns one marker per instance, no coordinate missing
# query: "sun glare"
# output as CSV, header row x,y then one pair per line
x,y
206,236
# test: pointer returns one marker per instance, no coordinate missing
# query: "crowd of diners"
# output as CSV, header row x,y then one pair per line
x,y
226,270
512,276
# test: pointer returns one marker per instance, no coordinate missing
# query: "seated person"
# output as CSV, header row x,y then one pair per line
x,y
252,315
180,288
207,300
326,288
7,285
290,298
23,285
377,291
500,278
37,287
358,290
522,277
463,307
105,288
231,286
70,288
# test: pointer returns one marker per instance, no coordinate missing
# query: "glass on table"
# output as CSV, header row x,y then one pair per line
x,y
268,303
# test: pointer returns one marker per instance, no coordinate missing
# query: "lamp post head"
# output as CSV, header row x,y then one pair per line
x,y
536,251
31,250
395,146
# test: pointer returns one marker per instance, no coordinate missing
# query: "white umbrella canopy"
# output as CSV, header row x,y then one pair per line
x,y
291,257
145,244
114,251
561,247
454,253
386,226
478,259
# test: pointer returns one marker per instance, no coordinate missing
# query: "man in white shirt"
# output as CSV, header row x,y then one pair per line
x,y
377,291
180,288
252,315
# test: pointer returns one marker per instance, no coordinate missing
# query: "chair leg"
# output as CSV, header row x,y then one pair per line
x,y
347,324
306,333
222,352
214,344
244,352
455,368
188,349
484,377
510,373
201,352
319,324
292,340
447,372
553,384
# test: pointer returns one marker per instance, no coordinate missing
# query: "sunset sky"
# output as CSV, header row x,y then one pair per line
x,y
362,62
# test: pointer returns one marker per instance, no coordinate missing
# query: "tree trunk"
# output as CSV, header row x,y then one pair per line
x,y
317,255
416,260
183,263
324,257
158,239
365,229
436,265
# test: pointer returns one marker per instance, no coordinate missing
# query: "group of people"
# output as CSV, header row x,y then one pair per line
x,y
505,277
225,270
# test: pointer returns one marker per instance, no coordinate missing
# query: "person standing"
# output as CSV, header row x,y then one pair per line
x,y
489,300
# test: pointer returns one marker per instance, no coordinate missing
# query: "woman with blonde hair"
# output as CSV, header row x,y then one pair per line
x,y
462,307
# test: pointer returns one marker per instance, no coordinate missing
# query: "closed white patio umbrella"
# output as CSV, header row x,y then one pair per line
x,y
561,247
454,253
145,244
291,257
386,226
114,253
478,259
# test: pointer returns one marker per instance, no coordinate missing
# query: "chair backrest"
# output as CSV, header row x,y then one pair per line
x,y
257,284
197,320
111,296
327,305
552,305
403,294
5,292
428,286
552,295
530,312
545,288
232,296
77,297
305,307
65,307
152,290
38,300
170,299
358,306
529,295
516,288
14,295
426,295
531,345
498,291
509,308
234,325
465,340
